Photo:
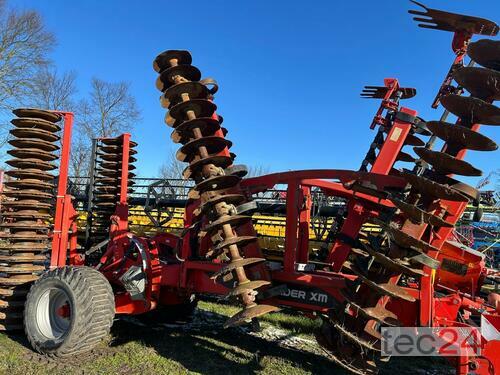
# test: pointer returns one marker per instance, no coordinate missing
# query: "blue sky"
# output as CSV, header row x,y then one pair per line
x,y
289,72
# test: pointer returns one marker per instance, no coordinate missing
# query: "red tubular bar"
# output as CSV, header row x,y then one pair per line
x,y
64,206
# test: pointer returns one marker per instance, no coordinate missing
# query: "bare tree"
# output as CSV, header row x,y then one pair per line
x,y
172,170
109,111
257,170
51,90
24,45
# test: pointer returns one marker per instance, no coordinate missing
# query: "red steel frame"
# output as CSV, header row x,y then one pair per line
x,y
170,283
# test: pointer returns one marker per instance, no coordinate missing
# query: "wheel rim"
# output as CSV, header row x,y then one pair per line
x,y
53,313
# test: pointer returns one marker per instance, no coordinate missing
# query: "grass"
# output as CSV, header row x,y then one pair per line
x,y
202,347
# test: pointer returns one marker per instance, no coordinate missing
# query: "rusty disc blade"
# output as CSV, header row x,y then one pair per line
x,y
21,269
28,194
115,150
35,133
37,113
13,292
35,123
118,141
35,174
183,132
31,164
482,83
248,313
166,79
24,236
29,204
217,183
431,188
219,198
29,184
240,241
419,216
27,215
25,226
37,144
446,164
196,166
380,314
386,289
485,52
405,240
466,190
10,258
249,286
413,140
213,145
200,108
23,247
395,264
234,264
403,156
173,94
19,280
234,220
162,61
461,136
472,110
32,153
425,260
116,158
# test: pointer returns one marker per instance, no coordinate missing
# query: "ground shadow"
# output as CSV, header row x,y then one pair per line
x,y
214,350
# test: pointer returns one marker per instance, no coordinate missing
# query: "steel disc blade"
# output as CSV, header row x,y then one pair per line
x,y
35,174
172,95
183,132
386,289
485,52
35,123
163,60
166,78
34,134
430,188
412,140
480,82
248,313
472,110
461,136
234,220
213,145
37,113
446,164
32,153
221,161
200,108
419,216
405,240
404,156
39,145
246,287
31,164
238,263
466,190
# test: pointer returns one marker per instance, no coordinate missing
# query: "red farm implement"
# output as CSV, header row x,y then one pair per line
x,y
408,274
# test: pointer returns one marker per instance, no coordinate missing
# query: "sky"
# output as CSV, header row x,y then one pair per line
x,y
289,72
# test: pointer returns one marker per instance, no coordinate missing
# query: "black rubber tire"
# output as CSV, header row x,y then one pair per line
x,y
92,307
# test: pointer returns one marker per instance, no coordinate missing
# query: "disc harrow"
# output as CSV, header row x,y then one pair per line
x,y
106,188
26,208
191,112
408,247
